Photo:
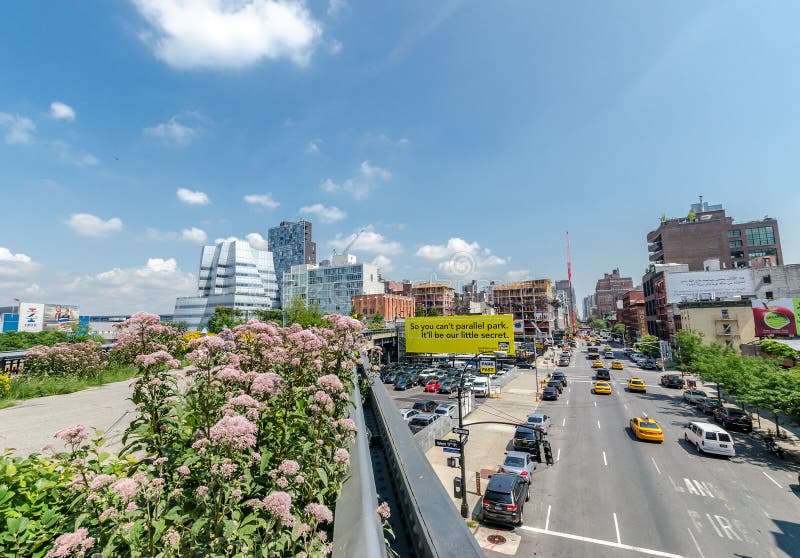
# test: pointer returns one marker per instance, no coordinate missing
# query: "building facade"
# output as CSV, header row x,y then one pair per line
x,y
233,275
564,286
398,287
434,297
390,306
529,301
729,323
608,291
782,281
707,233
633,315
659,314
332,284
290,244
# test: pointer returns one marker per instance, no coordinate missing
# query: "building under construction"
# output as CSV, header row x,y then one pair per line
x,y
529,301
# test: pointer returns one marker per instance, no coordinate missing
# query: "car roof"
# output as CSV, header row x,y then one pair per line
x,y
707,426
521,454
602,382
539,415
637,379
446,405
502,482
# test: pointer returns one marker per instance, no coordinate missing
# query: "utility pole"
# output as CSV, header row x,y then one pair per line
x,y
464,505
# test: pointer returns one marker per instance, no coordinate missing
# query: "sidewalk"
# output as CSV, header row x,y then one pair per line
x,y
488,443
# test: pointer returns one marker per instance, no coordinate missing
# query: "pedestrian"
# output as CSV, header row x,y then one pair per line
x,y
548,453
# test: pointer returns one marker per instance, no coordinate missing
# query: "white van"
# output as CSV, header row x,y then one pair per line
x,y
480,387
709,438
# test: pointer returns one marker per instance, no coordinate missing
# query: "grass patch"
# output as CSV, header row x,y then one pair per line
x,y
24,387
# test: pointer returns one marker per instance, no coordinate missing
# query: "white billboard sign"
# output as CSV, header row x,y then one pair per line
x,y
31,317
708,285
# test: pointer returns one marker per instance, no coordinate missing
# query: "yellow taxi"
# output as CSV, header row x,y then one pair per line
x,y
597,364
616,365
646,428
607,347
602,387
637,384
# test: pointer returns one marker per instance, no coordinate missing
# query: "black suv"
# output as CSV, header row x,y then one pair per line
x,y
556,384
603,374
672,381
425,406
560,376
525,439
505,498
734,418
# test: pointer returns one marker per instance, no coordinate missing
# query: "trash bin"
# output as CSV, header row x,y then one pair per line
x,y
457,487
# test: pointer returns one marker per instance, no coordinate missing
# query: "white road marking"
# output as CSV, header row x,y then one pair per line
x,y
612,544
567,401
656,465
697,546
616,527
595,403
563,421
547,521
625,405
598,425
773,480
604,459
558,455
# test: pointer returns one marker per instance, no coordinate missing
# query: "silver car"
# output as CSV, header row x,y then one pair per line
x,y
408,414
520,463
447,409
539,420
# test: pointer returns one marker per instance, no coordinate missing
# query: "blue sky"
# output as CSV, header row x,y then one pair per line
x,y
457,133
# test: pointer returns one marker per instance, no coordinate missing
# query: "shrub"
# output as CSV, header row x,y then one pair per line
x,y
144,333
81,360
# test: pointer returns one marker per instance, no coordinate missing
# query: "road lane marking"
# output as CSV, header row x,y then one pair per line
x,y
558,455
595,403
612,544
604,459
563,421
567,401
547,521
616,528
625,405
598,425
653,459
697,546
773,480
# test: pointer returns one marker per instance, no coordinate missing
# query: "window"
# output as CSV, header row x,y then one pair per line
x,y
760,236
737,254
770,295
725,313
763,252
726,329
711,435
734,243
767,280
734,234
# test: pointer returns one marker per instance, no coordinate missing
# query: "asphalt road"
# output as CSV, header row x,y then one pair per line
x,y
610,495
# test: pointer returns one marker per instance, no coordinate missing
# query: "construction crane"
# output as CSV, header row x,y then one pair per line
x,y
353,241
569,280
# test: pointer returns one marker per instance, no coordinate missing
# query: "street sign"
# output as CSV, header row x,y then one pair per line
x,y
448,444
451,450
487,366
464,439
463,431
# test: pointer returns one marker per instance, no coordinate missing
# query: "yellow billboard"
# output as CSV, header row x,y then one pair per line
x,y
460,334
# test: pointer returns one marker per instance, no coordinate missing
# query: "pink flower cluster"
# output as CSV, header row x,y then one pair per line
x,y
344,322
320,512
65,359
341,455
331,383
126,488
71,544
234,431
289,467
325,400
384,511
268,383
73,435
158,358
279,504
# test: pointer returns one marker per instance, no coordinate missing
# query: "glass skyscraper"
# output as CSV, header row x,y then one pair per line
x,y
290,244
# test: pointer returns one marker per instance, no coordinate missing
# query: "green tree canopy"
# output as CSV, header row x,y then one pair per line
x,y
618,329
271,315
224,317
597,323
650,345
306,316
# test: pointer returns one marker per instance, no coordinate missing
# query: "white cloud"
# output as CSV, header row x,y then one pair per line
x,y
257,241
180,130
518,274
453,246
383,263
461,258
336,6
369,177
193,197
61,111
263,200
7,256
368,241
86,224
15,264
325,214
194,234
220,34
73,156
20,129
313,146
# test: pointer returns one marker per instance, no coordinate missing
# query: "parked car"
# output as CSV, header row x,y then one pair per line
x,y
402,383
408,414
432,385
449,409
672,381
550,394
539,420
520,463
425,406
692,395
561,377
734,418
603,374
480,387
421,421
708,405
448,386
505,498
709,438
390,378
524,439
648,364
524,365
556,384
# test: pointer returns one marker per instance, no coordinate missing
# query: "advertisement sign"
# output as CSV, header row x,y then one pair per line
x,y
59,316
776,317
460,334
31,317
519,328
708,285
487,366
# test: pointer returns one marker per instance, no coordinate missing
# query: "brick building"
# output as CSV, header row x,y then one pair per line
x,y
609,290
529,301
633,315
439,297
706,233
727,322
663,319
390,306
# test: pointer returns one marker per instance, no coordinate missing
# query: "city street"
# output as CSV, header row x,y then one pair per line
x,y
609,494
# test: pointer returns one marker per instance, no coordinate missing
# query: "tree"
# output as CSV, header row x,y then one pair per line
x,y
598,323
306,316
775,390
224,317
434,312
689,346
270,316
650,345
618,329
377,319
418,311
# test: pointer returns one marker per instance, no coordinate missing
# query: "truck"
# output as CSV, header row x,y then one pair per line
x,y
593,353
